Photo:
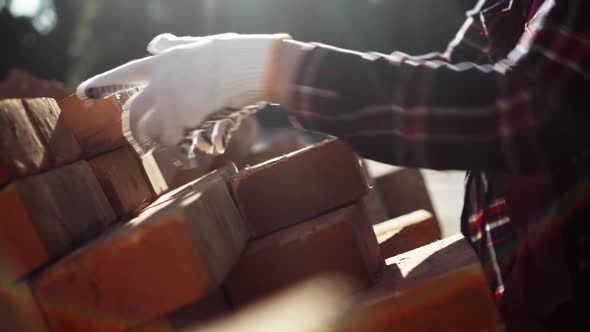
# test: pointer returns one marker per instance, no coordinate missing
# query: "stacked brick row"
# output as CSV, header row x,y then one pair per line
x,y
93,242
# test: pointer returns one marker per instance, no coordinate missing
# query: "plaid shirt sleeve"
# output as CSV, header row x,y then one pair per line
x,y
524,113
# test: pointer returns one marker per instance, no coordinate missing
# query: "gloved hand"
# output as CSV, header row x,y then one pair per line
x,y
187,79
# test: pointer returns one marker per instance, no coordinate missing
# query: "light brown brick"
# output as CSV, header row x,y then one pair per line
x,y
298,186
123,179
49,213
441,287
96,124
45,115
328,244
406,232
177,251
22,152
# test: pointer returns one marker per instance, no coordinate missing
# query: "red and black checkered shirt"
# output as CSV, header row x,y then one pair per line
x,y
507,101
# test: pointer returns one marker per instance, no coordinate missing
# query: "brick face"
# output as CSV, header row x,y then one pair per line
x,y
49,213
122,177
178,251
298,186
439,287
46,117
283,143
21,150
330,243
404,191
18,310
407,232
96,124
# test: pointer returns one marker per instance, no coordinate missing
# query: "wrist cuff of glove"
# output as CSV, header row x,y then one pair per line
x,y
249,66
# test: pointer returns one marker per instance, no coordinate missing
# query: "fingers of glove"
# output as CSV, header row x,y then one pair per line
x,y
138,106
118,79
171,132
164,123
166,41
148,126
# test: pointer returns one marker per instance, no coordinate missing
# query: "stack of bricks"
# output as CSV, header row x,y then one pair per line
x,y
95,239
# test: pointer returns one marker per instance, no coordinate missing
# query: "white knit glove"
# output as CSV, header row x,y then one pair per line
x,y
187,79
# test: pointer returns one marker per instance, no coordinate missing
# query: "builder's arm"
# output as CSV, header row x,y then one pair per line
x,y
526,113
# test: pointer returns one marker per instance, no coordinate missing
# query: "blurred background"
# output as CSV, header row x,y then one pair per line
x,y
69,40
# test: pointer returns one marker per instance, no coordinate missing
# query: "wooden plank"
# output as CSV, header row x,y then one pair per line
x,y
406,233
96,124
328,244
298,186
49,213
177,251
441,287
45,115
122,177
21,150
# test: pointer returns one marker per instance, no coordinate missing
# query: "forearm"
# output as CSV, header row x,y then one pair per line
x,y
430,113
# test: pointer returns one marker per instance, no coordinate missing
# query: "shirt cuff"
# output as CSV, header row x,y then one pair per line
x,y
286,59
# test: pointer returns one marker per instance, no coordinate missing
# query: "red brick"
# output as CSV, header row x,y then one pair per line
x,y
404,191
96,124
407,232
441,287
330,243
18,310
368,244
372,201
22,152
21,84
174,173
122,177
45,116
283,143
177,251
48,214
186,318
298,186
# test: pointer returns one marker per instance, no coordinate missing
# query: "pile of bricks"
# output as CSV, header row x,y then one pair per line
x,y
98,237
